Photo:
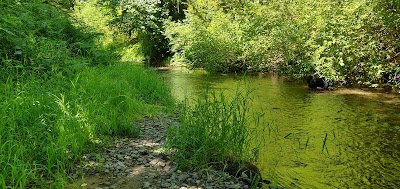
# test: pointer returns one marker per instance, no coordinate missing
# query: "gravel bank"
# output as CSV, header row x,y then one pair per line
x,y
141,163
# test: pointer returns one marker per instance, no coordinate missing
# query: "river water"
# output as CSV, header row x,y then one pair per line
x,y
341,138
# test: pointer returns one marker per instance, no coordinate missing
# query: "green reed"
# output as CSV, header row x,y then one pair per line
x,y
214,129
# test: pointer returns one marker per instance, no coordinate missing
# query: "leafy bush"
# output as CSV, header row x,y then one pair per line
x,y
143,21
349,41
213,47
213,37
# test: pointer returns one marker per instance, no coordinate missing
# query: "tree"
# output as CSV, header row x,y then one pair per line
x,y
142,21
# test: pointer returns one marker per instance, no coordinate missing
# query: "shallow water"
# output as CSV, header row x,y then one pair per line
x,y
341,138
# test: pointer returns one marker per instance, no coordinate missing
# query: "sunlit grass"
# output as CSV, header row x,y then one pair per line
x,y
96,16
61,93
44,128
214,129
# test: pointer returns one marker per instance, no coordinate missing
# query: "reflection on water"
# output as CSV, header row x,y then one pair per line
x,y
345,138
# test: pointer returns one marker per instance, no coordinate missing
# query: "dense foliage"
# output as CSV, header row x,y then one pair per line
x,y
341,40
62,90
39,39
347,41
142,21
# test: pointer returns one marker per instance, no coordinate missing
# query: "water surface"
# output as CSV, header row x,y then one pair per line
x,y
342,138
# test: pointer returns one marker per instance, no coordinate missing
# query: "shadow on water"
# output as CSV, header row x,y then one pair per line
x,y
343,138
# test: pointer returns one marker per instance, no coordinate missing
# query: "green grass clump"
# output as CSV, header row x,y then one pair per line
x,y
215,129
39,133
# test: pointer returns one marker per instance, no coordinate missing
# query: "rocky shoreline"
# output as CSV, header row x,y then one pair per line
x,y
142,163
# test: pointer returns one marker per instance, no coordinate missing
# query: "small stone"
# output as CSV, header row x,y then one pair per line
x,y
233,186
173,176
106,183
183,177
120,163
173,169
120,182
195,176
165,185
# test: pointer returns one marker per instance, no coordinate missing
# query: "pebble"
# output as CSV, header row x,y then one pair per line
x,y
146,184
106,184
234,186
182,177
119,160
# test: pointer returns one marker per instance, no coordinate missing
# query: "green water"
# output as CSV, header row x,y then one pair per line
x,y
343,138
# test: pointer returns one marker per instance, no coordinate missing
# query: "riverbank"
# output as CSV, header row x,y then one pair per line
x,y
143,162
375,87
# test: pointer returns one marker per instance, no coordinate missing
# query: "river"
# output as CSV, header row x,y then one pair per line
x,y
339,138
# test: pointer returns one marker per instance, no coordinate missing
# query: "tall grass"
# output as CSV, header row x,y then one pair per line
x,y
41,40
46,125
60,92
116,94
214,129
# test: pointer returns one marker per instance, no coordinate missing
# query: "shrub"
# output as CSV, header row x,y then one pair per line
x,y
142,21
352,41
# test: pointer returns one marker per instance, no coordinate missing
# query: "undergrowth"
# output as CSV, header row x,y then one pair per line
x,y
45,127
61,91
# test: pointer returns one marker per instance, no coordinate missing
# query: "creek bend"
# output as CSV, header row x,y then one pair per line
x,y
342,138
